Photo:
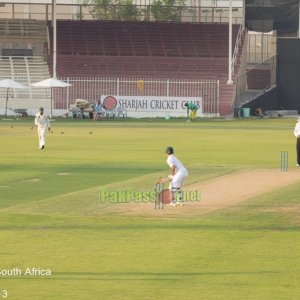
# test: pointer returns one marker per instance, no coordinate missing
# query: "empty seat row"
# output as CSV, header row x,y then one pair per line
x,y
142,39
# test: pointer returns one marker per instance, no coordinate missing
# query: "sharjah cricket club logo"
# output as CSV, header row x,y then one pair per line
x,y
110,102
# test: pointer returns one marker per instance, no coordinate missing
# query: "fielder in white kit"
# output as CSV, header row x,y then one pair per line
x,y
42,123
177,177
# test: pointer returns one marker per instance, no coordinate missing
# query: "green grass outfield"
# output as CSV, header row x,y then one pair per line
x,y
50,216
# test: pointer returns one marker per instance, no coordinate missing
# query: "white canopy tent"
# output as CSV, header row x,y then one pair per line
x,y
51,83
10,84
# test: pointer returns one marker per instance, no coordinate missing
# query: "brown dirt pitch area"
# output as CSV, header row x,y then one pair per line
x,y
218,193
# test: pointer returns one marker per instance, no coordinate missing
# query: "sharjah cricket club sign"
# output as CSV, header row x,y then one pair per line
x,y
147,106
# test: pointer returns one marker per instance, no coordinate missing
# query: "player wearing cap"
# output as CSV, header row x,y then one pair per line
x,y
42,123
178,174
297,135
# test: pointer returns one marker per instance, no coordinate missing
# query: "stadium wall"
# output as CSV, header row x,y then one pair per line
x,y
289,73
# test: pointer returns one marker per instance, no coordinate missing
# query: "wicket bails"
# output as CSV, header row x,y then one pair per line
x,y
284,161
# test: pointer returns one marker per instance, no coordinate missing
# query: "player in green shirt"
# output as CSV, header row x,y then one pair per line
x,y
191,110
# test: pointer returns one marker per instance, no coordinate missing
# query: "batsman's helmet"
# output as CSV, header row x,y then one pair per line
x,y
41,109
170,150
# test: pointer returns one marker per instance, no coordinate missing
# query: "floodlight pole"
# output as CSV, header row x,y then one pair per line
x,y
230,45
54,50
54,36
6,102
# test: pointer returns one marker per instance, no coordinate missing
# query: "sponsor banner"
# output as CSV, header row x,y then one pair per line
x,y
148,106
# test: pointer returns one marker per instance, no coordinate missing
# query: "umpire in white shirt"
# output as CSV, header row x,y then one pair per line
x,y
297,135
42,124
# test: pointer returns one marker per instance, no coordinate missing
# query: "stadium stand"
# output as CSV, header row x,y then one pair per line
x,y
22,58
145,49
25,70
105,38
32,29
117,49
258,79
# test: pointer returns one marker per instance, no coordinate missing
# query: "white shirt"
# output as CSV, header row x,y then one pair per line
x,y
173,161
297,129
41,121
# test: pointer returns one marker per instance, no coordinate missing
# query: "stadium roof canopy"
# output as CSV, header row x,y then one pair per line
x,y
268,15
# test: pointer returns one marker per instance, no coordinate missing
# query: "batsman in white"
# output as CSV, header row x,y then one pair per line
x,y
177,176
42,124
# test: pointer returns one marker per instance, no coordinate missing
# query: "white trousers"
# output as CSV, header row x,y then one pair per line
x,y
178,180
42,136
